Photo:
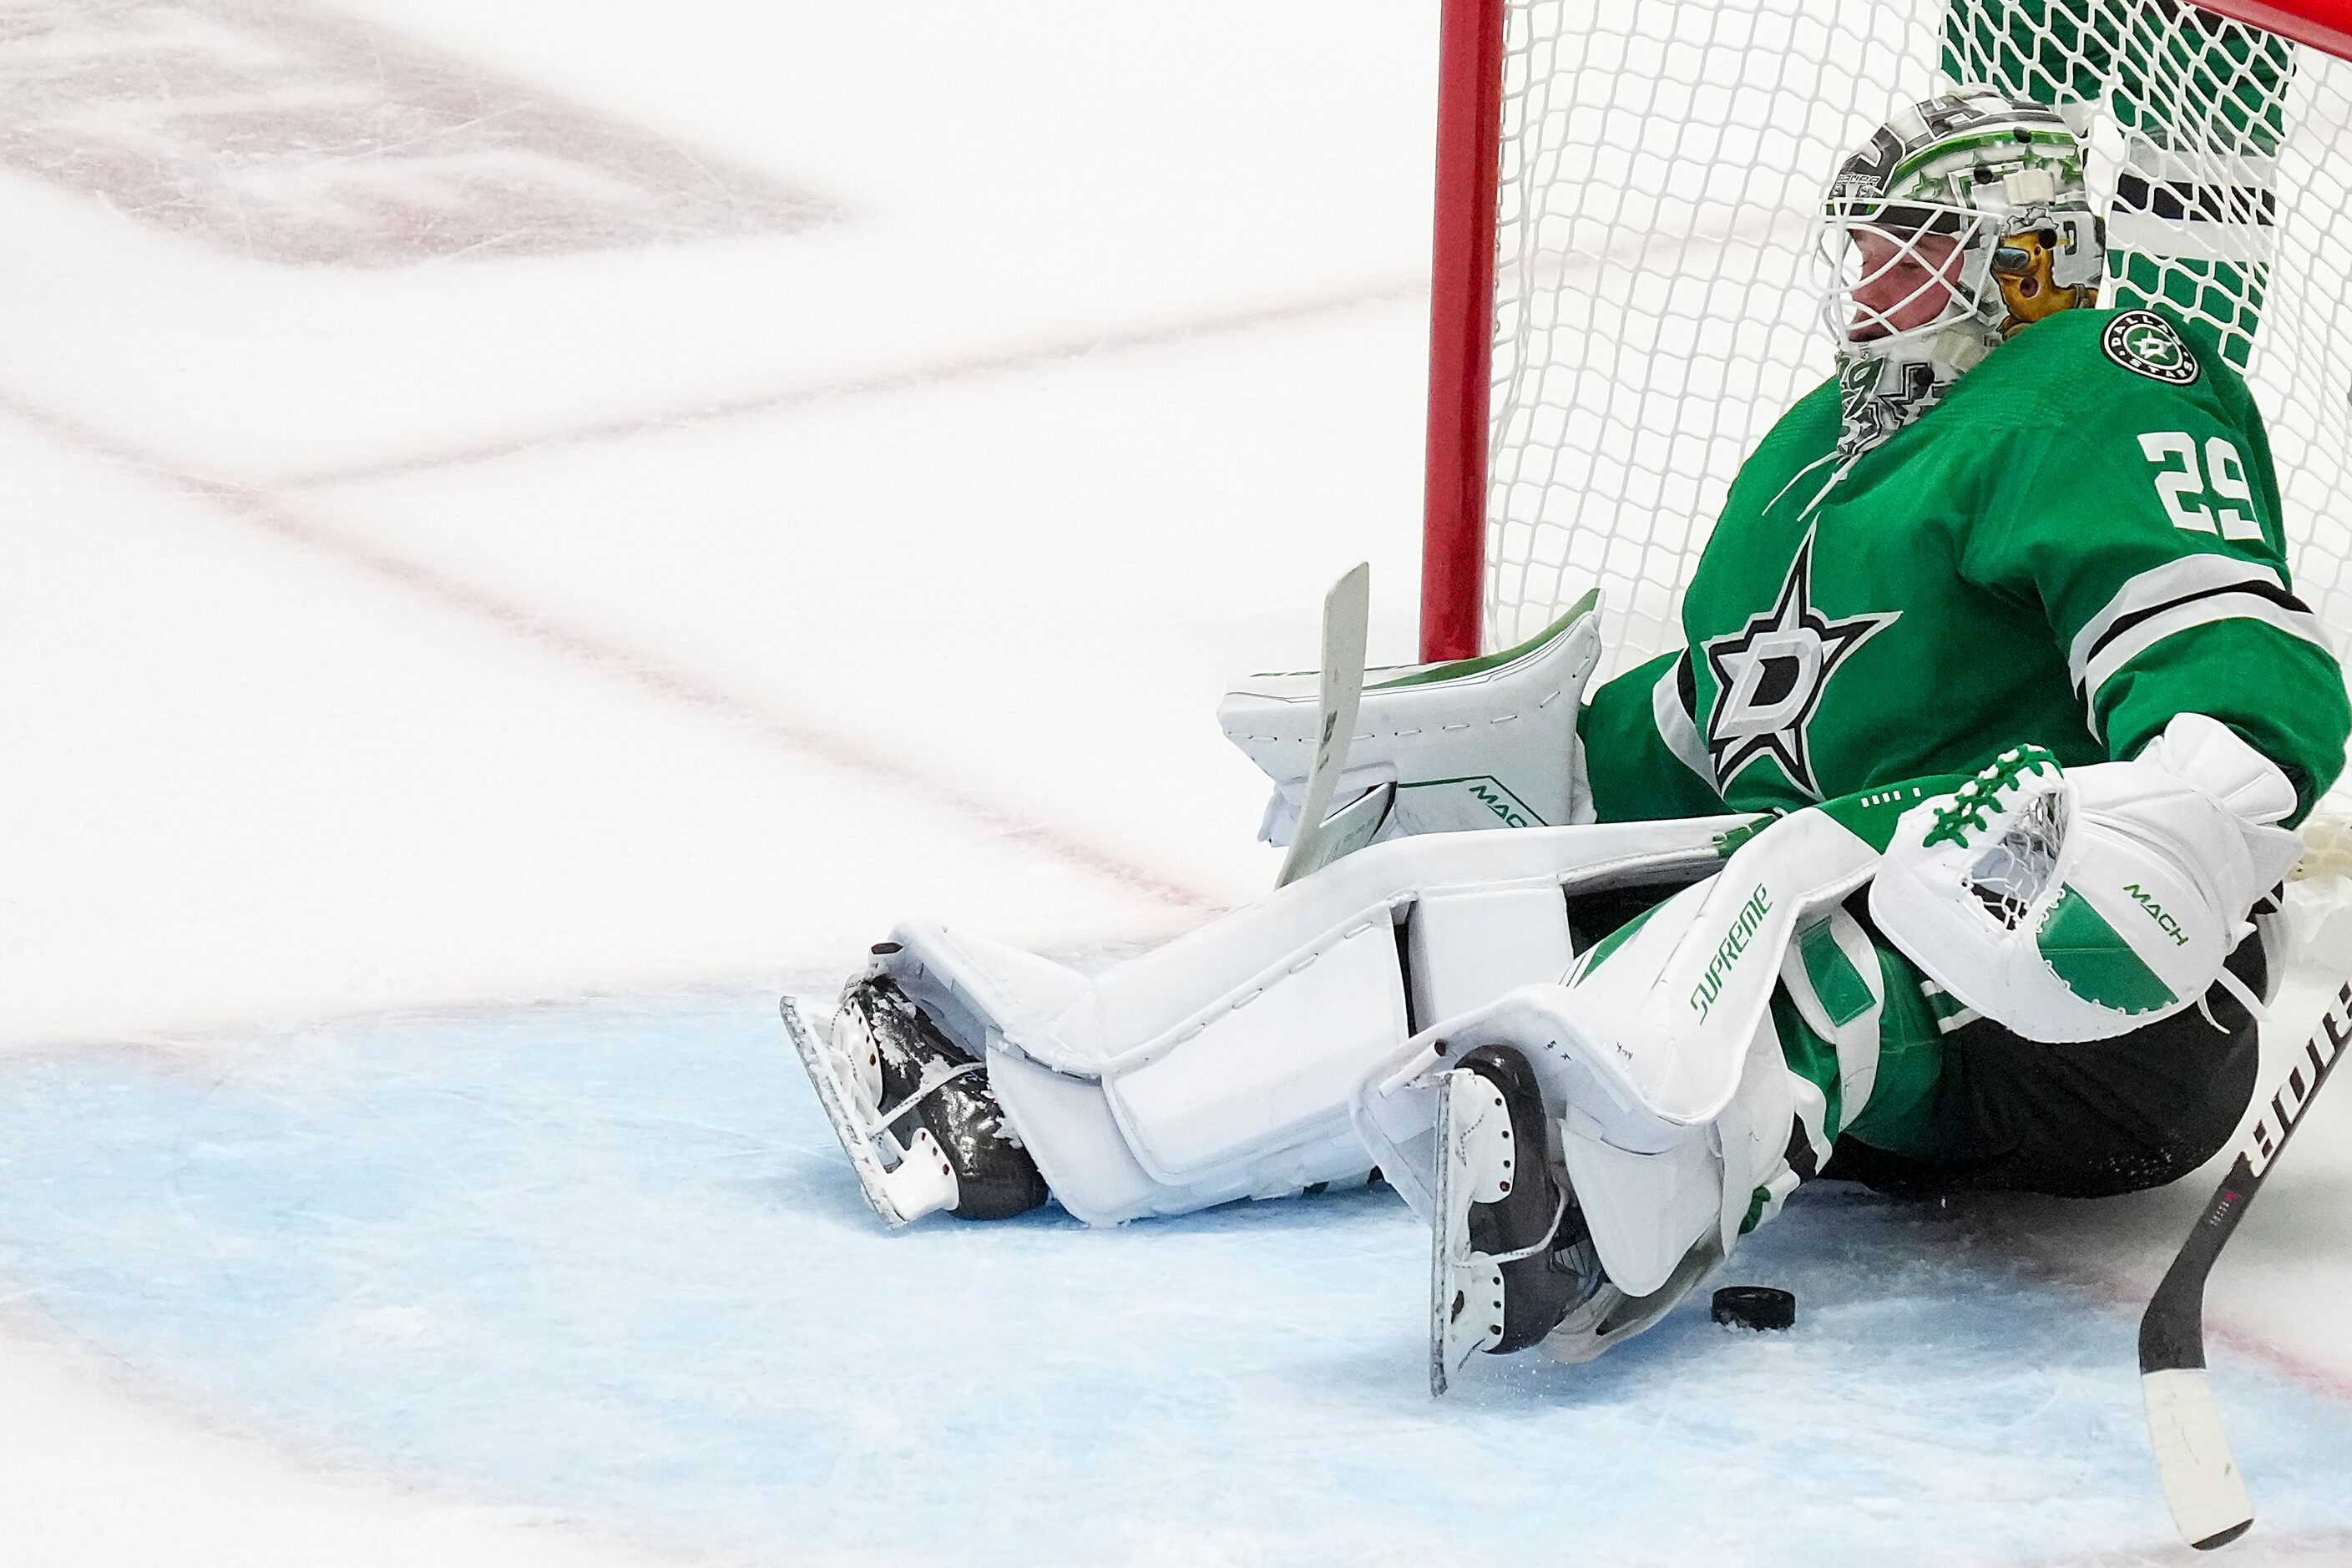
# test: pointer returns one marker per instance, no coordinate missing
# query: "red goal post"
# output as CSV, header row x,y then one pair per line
x,y
1571,444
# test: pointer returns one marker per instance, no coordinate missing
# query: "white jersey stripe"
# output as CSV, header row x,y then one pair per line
x,y
2142,636
2244,245
1855,1039
2206,168
2200,573
1675,728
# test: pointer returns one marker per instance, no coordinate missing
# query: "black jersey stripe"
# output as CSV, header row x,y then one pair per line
x,y
2186,577
1673,703
2193,615
2254,587
2178,202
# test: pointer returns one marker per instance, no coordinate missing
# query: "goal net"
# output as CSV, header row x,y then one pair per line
x,y
1657,279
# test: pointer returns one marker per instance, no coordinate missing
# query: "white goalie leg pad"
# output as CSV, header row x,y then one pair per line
x,y
1083,1153
1221,1066
1831,975
1466,948
1612,1316
1654,1186
1474,743
1659,1059
1668,1014
1240,1104
1651,1212
2081,904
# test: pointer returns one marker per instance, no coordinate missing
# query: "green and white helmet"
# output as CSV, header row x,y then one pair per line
x,y
1965,220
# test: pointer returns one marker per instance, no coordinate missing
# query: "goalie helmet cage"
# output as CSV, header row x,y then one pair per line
x,y
1627,277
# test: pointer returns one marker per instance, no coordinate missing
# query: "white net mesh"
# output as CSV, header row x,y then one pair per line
x,y
1657,280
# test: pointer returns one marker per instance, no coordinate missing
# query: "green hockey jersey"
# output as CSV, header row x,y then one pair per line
x,y
2080,541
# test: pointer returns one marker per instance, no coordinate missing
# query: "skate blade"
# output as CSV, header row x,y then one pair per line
x,y
921,1183
1466,1288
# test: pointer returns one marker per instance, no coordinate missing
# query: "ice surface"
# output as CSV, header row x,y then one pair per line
x,y
576,613
606,1259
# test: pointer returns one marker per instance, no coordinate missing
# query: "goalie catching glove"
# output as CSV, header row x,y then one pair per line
x,y
2079,905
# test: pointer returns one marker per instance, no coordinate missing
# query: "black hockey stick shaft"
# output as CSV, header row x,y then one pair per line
x,y
2193,1461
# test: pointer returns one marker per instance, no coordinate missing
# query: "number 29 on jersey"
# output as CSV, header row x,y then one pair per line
x,y
2182,485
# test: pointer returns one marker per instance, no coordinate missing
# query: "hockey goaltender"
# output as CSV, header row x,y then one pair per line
x,y
1942,855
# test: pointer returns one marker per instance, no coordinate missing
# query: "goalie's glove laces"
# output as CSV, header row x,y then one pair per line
x,y
1965,814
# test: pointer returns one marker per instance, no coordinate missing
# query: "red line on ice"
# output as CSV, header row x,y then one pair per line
x,y
276,516
883,382
2092,1279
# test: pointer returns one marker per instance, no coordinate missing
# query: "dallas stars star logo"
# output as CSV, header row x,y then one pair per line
x,y
1769,675
2144,342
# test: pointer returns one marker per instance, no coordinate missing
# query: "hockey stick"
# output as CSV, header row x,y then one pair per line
x,y
2193,1461
1347,615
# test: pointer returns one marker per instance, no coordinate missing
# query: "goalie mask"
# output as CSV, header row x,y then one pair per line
x,y
1963,222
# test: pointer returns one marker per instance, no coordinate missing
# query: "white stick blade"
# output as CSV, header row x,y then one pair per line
x,y
2193,1461
1347,613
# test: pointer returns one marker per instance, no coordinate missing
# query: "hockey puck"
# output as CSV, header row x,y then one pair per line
x,y
1755,1307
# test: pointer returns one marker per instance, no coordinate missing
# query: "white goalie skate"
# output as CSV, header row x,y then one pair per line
x,y
1465,1286
1508,1257
917,1179
913,1110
